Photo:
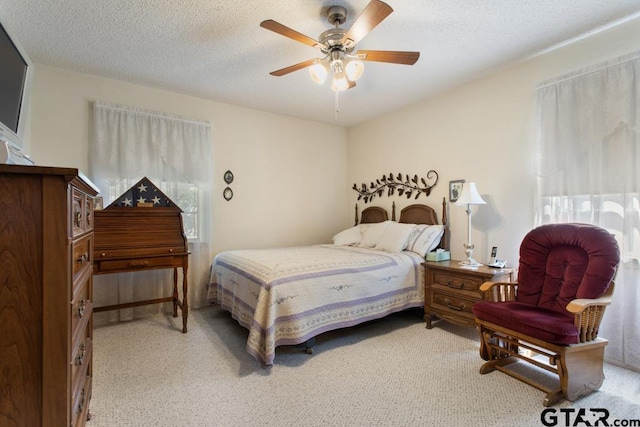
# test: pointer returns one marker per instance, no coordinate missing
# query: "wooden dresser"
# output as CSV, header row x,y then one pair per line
x,y
46,241
450,290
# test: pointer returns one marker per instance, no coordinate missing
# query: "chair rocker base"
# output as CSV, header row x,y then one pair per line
x,y
579,367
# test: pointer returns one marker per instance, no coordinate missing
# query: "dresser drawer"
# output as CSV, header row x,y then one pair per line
x,y
458,282
81,212
82,255
80,361
81,310
77,209
80,407
88,213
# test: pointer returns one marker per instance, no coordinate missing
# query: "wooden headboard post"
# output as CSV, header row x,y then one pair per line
x,y
356,214
444,211
393,211
444,242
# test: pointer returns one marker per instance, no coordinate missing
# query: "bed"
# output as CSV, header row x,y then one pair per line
x,y
287,296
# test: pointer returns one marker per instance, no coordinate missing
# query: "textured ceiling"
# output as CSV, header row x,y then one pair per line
x,y
216,49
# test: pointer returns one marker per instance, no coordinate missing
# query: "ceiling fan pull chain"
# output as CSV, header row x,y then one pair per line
x,y
337,106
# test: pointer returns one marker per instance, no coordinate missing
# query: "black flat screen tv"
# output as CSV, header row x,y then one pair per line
x,y
15,77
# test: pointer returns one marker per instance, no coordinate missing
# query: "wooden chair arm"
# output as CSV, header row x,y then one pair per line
x,y
499,291
588,314
577,306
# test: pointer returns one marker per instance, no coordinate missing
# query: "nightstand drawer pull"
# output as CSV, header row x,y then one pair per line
x,y
454,286
454,307
82,258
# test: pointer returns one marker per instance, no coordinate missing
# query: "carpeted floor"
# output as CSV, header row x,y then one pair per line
x,y
389,372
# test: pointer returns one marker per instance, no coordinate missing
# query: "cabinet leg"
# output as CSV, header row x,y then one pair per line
x,y
175,292
185,300
428,318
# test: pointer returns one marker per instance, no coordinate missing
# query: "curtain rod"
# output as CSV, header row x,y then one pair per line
x,y
591,70
149,113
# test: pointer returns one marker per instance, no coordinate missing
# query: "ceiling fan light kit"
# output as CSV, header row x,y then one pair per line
x,y
337,44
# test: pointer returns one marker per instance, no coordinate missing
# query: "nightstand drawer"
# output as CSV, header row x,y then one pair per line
x,y
458,282
452,307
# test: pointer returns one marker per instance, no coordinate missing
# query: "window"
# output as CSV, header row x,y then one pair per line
x,y
176,154
587,171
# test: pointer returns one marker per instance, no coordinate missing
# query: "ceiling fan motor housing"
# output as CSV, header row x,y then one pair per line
x,y
332,40
337,15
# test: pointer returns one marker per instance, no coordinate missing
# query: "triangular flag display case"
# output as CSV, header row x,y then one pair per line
x,y
142,230
144,194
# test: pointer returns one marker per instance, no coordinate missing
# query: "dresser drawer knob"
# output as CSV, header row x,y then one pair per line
x,y
80,358
82,306
82,401
454,307
77,218
83,258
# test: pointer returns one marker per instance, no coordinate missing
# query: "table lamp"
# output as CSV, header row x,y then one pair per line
x,y
469,197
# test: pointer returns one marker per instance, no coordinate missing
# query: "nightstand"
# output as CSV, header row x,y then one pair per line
x,y
450,289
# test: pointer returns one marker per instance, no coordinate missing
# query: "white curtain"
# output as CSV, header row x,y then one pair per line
x,y
176,155
588,170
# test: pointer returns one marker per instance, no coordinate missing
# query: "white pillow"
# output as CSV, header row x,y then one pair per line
x,y
395,237
350,236
372,233
426,240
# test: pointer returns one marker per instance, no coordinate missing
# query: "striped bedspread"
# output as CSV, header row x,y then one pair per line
x,y
286,296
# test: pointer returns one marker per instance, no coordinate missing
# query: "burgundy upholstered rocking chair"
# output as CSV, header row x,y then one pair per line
x,y
551,316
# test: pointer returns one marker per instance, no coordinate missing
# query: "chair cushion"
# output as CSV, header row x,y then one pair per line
x,y
561,262
544,324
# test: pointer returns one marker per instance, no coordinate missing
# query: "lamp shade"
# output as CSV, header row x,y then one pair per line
x,y
354,70
318,72
470,195
339,82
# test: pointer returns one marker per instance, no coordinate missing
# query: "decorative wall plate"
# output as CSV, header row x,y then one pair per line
x,y
228,177
227,194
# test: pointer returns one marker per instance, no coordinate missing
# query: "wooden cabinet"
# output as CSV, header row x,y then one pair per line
x,y
134,235
46,250
451,290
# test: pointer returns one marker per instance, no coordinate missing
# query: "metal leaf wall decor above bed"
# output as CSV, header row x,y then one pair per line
x,y
397,185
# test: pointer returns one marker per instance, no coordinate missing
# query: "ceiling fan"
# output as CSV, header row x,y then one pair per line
x,y
337,44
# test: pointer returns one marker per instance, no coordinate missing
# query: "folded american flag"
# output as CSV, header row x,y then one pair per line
x,y
143,194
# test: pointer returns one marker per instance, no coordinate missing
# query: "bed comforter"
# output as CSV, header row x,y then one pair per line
x,y
286,296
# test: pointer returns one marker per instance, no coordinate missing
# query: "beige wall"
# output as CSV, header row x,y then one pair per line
x,y
290,174
483,131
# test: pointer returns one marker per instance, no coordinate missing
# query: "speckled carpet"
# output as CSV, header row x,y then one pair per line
x,y
389,372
